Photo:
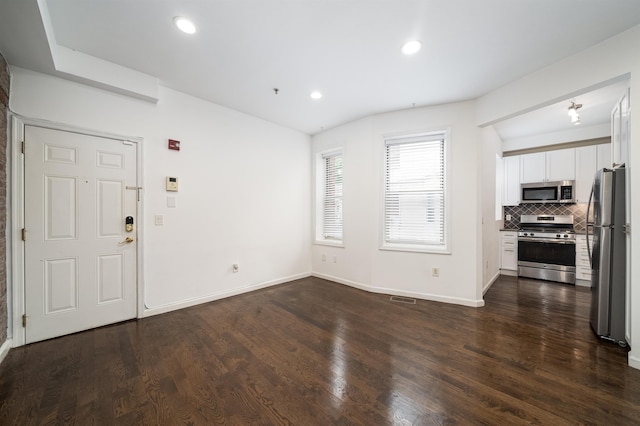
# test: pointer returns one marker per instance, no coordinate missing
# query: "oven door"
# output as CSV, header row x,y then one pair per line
x,y
547,260
554,252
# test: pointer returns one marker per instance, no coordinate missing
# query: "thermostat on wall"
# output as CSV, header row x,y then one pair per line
x,y
172,184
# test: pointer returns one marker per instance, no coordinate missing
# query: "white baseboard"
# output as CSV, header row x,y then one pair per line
x,y
4,349
509,272
488,285
583,283
394,292
157,310
634,362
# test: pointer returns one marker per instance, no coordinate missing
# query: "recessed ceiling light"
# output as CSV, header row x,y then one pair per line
x,y
411,47
316,95
184,25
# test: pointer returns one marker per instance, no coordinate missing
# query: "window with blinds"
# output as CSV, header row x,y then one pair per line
x,y
414,191
332,199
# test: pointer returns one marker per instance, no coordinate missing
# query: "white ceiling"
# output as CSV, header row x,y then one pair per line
x,y
347,49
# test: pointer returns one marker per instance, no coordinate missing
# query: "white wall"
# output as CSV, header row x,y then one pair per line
x,y
244,187
565,136
610,60
491,145
360,262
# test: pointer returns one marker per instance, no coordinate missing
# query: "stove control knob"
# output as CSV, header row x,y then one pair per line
x,y
557,235
525,234
566,236
531,234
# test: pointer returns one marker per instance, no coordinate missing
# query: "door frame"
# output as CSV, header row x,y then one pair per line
x,y
16,218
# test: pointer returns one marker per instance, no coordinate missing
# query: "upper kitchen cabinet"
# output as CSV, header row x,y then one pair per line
x,y
511,181
533,167
604,156
548,166
586,166
589,159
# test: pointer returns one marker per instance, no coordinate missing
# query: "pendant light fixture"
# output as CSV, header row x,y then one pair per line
x,y
573,112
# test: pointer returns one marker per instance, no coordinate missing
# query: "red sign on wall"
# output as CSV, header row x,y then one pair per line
x,y
175,145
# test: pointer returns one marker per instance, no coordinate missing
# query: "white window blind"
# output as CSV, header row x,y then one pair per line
x,y
414,199
332,200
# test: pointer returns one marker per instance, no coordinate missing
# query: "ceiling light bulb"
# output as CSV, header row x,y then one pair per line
x,y
411,47
573,109
184,25
316,95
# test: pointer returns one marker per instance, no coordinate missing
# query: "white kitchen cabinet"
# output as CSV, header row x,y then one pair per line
x,y
583,266
511,181
586,166
532,167
548,166
589,159
561,164
604,156
509,252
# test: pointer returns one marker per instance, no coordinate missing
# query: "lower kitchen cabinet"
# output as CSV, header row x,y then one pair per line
x,y
509,252
583,266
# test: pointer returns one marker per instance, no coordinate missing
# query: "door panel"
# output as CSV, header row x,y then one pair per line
x,y
79,271
110,278
109,220
61,285
60,208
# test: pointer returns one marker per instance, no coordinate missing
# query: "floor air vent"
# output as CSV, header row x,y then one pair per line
x,y
402,299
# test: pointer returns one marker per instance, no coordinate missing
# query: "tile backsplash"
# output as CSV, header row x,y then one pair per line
x,y
579,211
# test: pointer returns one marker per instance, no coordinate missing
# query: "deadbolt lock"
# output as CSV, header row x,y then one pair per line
x,y
128,224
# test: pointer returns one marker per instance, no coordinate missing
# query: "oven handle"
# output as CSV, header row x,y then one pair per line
x,y
548,240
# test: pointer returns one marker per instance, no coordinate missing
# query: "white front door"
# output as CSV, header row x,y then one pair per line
x,y
80,261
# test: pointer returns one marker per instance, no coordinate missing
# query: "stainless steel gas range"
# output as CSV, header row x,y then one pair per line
x,y
547,248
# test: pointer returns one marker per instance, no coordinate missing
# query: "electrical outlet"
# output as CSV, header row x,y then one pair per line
x,y
435,272
324,257
159,220
236,268
508,217
335,259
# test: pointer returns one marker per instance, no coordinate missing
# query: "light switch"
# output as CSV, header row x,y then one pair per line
x,y
171,201
159,220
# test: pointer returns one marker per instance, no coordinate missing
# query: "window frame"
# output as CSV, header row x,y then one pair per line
x,y
402,138
320,174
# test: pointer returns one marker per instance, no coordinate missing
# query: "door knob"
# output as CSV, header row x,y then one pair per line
x,y
126,241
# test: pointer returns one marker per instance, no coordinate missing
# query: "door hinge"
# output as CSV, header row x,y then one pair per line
x,y
24,320
22,147
24,234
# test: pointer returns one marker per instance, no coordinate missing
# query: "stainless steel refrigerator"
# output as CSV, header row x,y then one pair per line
x,y
608,257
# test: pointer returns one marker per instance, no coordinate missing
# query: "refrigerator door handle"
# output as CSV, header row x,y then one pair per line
x,y
587,220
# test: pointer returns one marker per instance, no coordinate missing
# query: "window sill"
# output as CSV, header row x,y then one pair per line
x,y
416,249
329,243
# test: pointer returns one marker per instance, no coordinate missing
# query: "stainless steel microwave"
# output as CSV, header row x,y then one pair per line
x,y
548,192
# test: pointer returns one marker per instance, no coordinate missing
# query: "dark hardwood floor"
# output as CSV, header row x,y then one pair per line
x,y
313,352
